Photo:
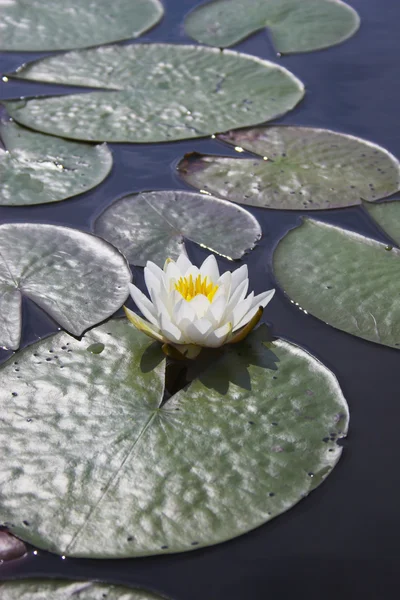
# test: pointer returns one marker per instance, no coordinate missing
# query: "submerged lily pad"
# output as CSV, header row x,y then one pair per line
x,y
294,26
347,280
62,24
156,93
94,466
37,168
297,168
153,225
387,215
39,589
77,278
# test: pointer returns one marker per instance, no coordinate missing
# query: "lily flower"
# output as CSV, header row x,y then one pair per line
x,y
191,308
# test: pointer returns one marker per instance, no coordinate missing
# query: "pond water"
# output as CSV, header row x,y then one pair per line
x,y
342,540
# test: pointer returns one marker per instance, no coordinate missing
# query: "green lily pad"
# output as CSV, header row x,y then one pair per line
x,y
156,93
293,26
296,168
387,215
347,280
77,278
62,24
39,589
94,466
37,168
153,225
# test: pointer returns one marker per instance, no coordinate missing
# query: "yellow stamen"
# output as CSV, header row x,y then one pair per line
x,y
189,288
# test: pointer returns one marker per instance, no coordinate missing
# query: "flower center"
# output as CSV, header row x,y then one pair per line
x,y
189,287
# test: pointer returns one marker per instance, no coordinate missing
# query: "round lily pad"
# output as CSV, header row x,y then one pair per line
x,y
296,168
153,225
387,215
39,589
294,26
347,280
77,278
62,24
37,168
155,93
94,465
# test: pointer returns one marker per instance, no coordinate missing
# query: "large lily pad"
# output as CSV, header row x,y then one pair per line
x,y
153,225
156,93
37,168
77,278
38,589
294,26
345,279
62,24
296,168
387,215
93,465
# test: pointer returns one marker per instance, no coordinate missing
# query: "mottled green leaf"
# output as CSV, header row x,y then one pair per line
x,y
387,215
153,225
93,465
294,26
39,589
77,278
156,93
37,168
347,280
296,168
62,24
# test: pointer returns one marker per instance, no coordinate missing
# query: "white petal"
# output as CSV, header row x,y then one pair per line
x,y
225,280
240,310
169,330
183,264
153,282
143,303
199,330
260,300
172,275
200,304
155,269
238,276
237,296
209,269
218,337
192,271
144,326
264,298
216,310
183,310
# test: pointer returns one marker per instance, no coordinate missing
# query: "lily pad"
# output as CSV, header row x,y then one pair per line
x,y
37,168
153,225
387,215
93,465
39,589
77,278
156,93
294,26
347,280
62,24
296,168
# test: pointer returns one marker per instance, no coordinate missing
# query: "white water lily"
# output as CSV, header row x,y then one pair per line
x,y
191,308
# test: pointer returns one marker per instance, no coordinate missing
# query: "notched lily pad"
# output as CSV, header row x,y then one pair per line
x,y
153,225
296,168
155,93
99,467
37,168
63,24
387,215
343,278
39,589
76,278
294,26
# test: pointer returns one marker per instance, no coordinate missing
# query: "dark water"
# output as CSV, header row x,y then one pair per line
x,y
342,541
